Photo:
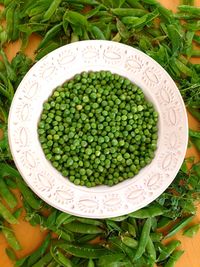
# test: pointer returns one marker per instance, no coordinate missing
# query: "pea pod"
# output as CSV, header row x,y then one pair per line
x,y
143,239
36,255
190,9
46,259
109,259
97,33
83,228
174,258
62,218
11,254
180,225
84,251
60,258
11,238
10,73
62,233
151,211
90,221
7,195
16,22
86,238
151,249
47,49
28,195
75,18
129,241
135,4
10,14
84,2
50,35
51,10
191,231
156,237
175,36
18,213
51,220
124,12
167,250
7,215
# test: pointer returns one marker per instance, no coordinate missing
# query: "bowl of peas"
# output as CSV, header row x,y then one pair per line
x,y
98,129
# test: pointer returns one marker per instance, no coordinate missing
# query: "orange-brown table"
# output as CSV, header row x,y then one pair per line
x,y
31,237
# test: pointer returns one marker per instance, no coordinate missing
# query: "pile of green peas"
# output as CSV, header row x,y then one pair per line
x,y
98,128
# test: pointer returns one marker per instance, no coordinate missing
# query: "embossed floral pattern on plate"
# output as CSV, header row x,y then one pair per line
x,y
101,201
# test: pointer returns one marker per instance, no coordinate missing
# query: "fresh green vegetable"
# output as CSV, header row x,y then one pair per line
x,y
191,231
143,24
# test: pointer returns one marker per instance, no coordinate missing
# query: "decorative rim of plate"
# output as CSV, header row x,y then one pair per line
x,y
102,201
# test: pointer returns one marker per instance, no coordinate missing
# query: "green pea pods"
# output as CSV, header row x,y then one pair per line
x,y
16,22
191,231
97,33
174,258
10,12
135,4
91,13
129,241
11,238
143,239
83,228
122,30
90,221
10,73
50,35
108,260
11,254
28,195
180,225
168,249
84,251
150,249
124,12
51,220
192,10
156,237
60,258
61,232
44,261
151,211
75,18
84,2
36,255
18,213
51,10
62,218
7,215
7,195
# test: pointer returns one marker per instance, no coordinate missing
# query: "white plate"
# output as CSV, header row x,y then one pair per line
x,y
101,201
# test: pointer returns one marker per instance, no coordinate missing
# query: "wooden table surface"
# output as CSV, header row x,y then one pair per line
x,y
31,237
